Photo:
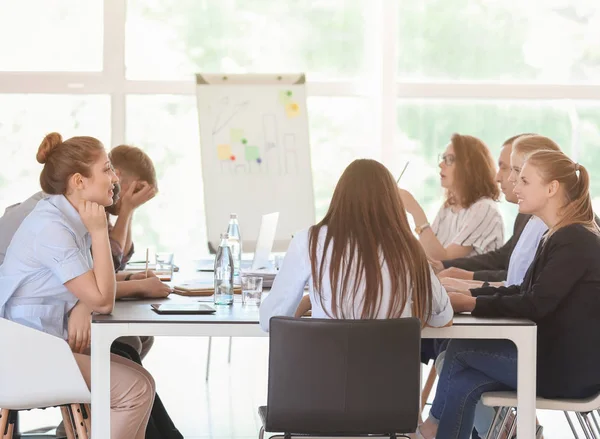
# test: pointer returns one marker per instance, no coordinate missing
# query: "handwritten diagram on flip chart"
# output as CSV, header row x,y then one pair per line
x,y
255,153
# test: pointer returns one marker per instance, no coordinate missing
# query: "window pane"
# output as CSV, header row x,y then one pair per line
x,y
58,35
506,40
340,131
175,219
425,128
26,119
166,128
170,39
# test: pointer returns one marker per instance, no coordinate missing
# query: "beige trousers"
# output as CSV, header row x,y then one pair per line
x,y
141,344
132,392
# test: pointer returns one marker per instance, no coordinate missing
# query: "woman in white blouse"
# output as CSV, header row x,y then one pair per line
x,y
362,260
469,221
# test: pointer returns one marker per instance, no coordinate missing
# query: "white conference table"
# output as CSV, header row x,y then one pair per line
x,y
136,318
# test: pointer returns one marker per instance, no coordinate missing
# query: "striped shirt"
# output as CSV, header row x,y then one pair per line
x,y
479,226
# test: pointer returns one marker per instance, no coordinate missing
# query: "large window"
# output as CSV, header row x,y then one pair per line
x,y
26,119
390,80
57,35
500,40
173,39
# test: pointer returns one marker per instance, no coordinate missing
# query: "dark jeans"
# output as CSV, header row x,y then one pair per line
x,y
160,425
471,368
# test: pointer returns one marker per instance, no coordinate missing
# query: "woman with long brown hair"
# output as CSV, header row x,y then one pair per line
x,y
560,293
362,260
469,221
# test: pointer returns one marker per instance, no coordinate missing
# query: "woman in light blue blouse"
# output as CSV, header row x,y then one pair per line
x,y
49,282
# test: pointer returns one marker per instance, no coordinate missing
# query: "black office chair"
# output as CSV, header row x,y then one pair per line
x,y
343,377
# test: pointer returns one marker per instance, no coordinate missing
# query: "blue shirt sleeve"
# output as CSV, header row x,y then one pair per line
x,y
288,286
441,309
56,248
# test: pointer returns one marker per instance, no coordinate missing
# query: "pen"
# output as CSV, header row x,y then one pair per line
x,y
402,173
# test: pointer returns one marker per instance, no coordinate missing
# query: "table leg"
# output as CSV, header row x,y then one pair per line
x,y
102,339
526,343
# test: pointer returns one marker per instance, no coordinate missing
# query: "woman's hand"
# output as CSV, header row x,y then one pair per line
x,y
303,307
410,204
456,273
152,287
413,207
79,328
462,302
457,285
142,275
93,216
436,265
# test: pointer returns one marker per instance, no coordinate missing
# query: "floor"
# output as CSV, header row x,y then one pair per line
x,y
226,405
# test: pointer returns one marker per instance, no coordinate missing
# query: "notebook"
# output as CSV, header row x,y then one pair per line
x,y
199,288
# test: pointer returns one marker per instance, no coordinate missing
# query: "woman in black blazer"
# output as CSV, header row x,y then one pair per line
x,y
560,293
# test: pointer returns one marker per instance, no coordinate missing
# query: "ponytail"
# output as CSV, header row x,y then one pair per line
x,y
575,180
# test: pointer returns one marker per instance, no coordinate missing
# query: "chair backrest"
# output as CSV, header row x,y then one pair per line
x,y
343,377
37,370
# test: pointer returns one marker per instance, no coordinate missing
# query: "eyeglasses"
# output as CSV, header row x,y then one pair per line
x,y
448,159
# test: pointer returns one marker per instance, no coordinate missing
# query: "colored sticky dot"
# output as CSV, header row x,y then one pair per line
x,y
259,160
289,93
244,141
225,78
294,107
279,78
232,158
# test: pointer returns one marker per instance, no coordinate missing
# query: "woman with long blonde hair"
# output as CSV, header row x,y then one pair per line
x,y
361,261
560,293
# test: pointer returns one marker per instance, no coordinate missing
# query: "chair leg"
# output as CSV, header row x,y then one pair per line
x,y
87,417
261,433
497,418
12,419
513,427
575,435
229,352
583,426
10,431
3,421
586,419
67,420
79,422
208,358
591,415
428,386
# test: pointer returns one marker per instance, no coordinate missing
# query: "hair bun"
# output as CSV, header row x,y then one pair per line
x,y
47,147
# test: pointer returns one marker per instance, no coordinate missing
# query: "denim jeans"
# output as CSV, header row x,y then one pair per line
x,y
471,368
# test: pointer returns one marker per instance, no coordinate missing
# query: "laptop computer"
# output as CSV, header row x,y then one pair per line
x,y
264,245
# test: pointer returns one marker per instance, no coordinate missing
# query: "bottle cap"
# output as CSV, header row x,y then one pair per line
x,y
233,216
224,235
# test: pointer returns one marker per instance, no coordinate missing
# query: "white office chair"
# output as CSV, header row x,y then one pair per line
x,y
583,408
38,370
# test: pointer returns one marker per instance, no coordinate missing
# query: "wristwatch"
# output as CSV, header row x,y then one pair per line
x,y
419,229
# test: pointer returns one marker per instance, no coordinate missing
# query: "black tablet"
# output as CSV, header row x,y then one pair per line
x,y
182,308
